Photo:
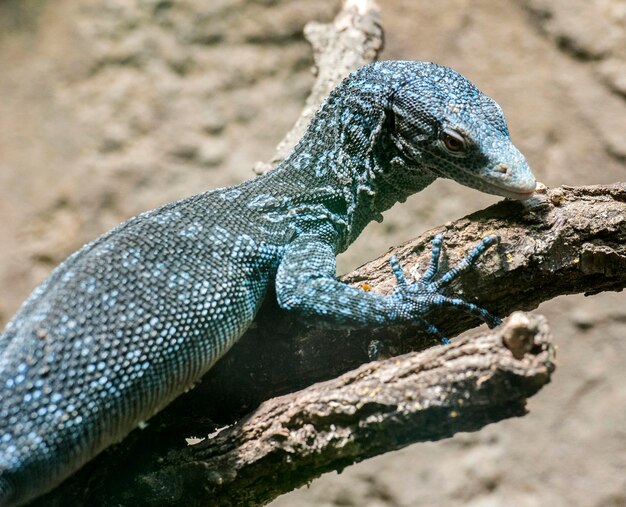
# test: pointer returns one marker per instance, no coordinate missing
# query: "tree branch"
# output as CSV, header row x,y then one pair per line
x,y
376,408
564,241
353,39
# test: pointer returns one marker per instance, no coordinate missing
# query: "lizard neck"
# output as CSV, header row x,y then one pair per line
x,y
382,190
347,167
349,191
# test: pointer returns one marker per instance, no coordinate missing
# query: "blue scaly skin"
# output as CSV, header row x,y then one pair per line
x,y
134,318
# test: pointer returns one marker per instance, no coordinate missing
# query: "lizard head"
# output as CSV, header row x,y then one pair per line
x,y
443,123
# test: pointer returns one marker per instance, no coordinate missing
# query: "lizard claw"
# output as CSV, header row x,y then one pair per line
x,y
414,300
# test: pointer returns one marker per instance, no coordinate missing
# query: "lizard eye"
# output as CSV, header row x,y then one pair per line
x,y
453,141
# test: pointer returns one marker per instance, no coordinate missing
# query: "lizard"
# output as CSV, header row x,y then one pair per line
x,y
137,316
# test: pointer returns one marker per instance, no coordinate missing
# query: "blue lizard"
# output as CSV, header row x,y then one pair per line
x,y
137,316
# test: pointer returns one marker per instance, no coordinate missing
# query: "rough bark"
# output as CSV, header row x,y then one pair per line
x,y
355,38
381,406
563,241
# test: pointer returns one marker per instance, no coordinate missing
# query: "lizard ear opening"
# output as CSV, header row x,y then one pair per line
x,y
390,121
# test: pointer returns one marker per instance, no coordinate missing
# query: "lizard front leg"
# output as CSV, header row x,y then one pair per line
x,y
306,284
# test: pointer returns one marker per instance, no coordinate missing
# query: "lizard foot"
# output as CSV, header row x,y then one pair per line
x,y
414,300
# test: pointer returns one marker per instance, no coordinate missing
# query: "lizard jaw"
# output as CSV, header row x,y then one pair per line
x,y
515,194
514,181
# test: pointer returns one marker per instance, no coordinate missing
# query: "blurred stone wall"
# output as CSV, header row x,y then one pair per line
x,y
111,107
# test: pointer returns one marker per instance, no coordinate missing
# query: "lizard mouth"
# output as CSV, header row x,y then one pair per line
x,y
511,193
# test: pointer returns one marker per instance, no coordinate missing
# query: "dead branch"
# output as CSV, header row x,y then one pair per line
x,y
563,241
352,40
378,407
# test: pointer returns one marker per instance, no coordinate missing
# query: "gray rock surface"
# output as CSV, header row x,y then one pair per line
x,y
111,107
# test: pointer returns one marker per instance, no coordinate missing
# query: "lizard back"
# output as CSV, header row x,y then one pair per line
x,y
122,327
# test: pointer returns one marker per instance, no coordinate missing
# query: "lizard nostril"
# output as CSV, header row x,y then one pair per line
x,y
502,168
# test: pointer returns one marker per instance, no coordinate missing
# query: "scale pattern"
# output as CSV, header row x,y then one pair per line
x,y
134,318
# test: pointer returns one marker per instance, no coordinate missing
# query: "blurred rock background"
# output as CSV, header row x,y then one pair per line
x,y
112,107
